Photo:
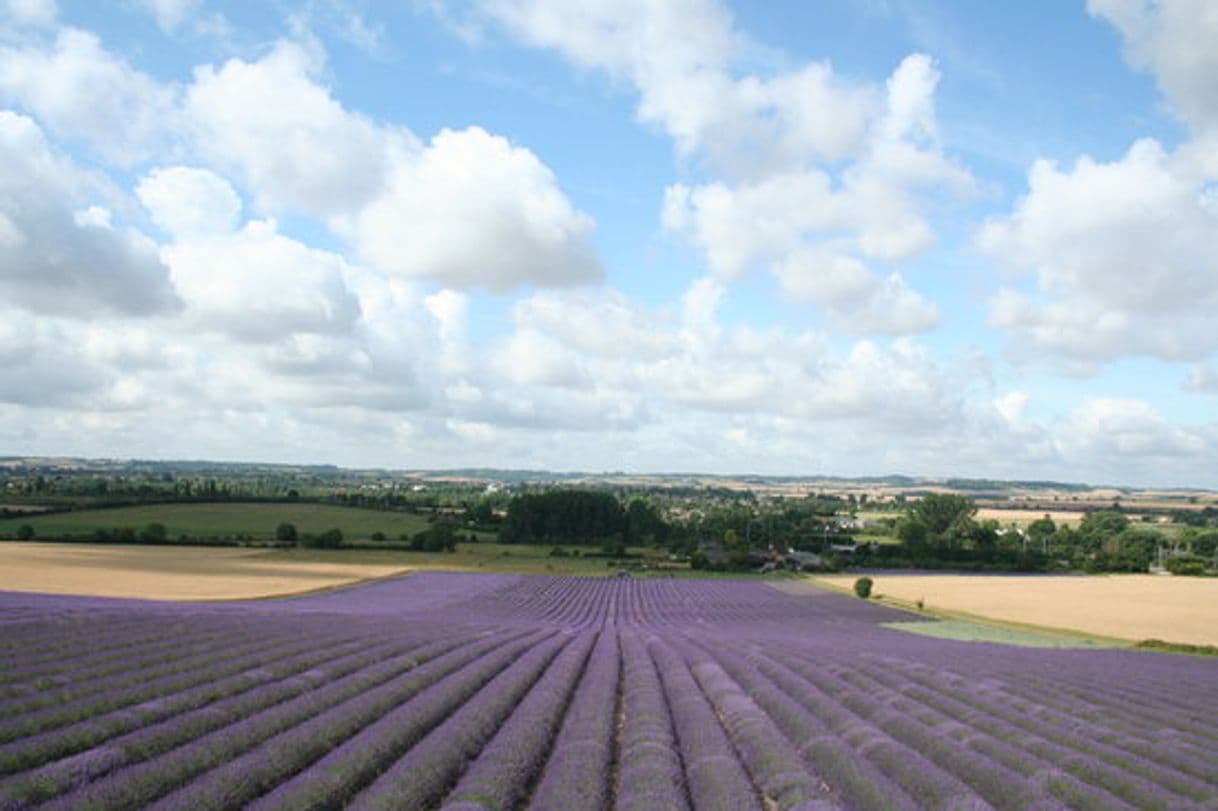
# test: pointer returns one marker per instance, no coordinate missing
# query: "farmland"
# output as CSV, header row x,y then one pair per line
x,y
479,691
226,573
256,521
1131,607
182,573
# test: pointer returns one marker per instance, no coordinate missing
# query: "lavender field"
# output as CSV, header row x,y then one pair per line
x,y
502,692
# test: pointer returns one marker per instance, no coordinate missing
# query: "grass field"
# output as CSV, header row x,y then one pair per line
x,y
1132,607
966,631
256,521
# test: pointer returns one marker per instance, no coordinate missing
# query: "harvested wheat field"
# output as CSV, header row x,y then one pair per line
x,y
1025,517
1133,607
173,573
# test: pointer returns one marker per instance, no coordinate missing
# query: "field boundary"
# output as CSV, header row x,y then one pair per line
x,y
935,613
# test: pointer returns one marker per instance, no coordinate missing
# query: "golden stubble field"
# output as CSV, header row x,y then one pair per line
x,y
176,573
1132,606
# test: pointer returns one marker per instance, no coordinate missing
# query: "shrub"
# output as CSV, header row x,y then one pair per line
x,y
25,532
285,532
330,539
154,533
1186,565
862,587
378,536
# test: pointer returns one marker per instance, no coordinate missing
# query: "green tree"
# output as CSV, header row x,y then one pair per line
x,y
286,532
1040,531
913,533
330,539
154,533
25,532
939,511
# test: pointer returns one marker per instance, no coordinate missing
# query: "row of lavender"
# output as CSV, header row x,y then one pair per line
x,y
578,693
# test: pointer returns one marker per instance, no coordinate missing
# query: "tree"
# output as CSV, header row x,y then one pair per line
x,y
154,533
25,532
563,516
939,511
1041,530
330,539
644,524
913,533
441,536
286,532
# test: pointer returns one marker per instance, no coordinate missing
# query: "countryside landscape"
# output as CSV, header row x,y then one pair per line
x,y
608,405
261,636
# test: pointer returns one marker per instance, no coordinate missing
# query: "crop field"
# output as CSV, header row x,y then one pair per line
x,y
184,573
222,520
1122,606
494,691
177,572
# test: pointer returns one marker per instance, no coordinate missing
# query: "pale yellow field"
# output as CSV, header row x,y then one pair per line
x,y
174,573
1025,517
1131,606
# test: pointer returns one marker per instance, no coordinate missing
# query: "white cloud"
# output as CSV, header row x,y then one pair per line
x,y
472,210
56,257
258,285
32,12
283,132
805,158
1125,429
1123,259
1203,379
1174,40
469,209
189,202
79,90
170,14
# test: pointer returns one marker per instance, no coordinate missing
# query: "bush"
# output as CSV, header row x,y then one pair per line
x,y
25,532
378,536
330,539
285,532
154,533
1186,565
862,587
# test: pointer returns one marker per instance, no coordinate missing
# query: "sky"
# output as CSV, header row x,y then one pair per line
x,y
833,238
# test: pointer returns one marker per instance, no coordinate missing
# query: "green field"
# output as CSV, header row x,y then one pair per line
x,y
965,631
221,521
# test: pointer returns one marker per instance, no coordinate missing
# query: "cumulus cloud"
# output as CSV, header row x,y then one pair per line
x,y
259,285
170,14
1124,429
79,90
805,160
1174,40
189,202
472,210
31,12
282,131
1122,254
1120,251
57,254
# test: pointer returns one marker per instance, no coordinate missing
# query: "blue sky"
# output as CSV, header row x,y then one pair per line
x,y
851,238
